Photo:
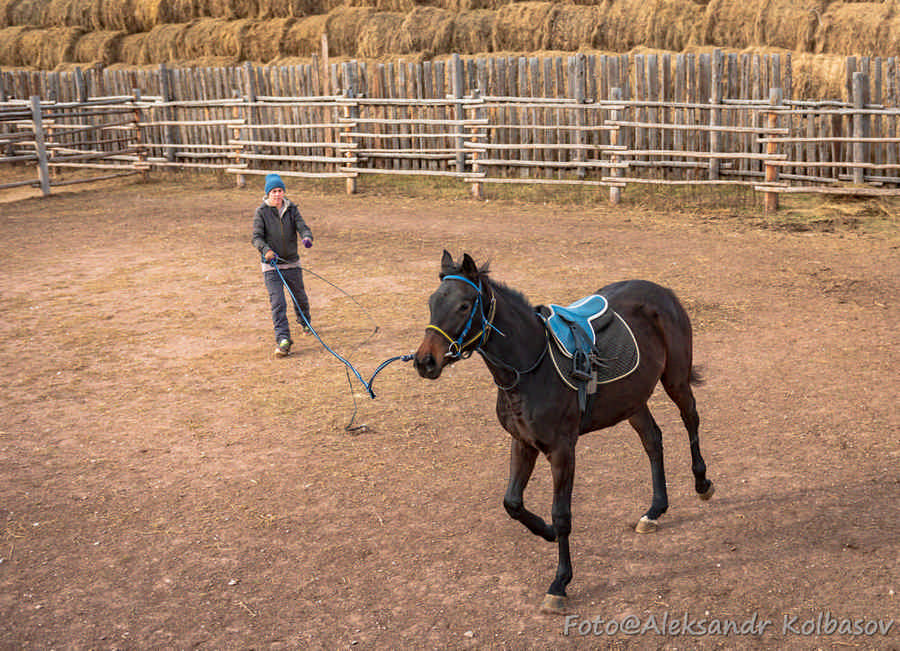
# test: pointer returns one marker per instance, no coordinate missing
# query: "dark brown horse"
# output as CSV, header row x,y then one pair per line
x,y
470,312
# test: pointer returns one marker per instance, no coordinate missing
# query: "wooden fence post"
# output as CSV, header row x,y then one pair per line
x,y
715,114
775,99
239,131
861,124
615,193
138,136
456,71
579,83
477,186
250,98
165,86
351,112
40,146
81,89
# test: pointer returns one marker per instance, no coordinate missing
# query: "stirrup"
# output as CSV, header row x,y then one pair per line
x,y
581,366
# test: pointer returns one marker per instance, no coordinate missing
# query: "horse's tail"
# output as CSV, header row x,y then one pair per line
x,y
696,376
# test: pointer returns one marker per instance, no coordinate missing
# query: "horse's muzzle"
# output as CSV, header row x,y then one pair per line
x,y
430,358
427,366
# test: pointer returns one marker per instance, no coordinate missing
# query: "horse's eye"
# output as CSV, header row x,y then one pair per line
x,y
464,306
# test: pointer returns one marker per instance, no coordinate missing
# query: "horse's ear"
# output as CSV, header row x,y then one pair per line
x,y
447,265
468,267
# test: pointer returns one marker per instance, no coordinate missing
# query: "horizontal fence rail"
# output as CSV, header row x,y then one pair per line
x,y
592,134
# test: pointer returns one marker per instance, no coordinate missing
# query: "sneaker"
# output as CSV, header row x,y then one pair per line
x,y
284,348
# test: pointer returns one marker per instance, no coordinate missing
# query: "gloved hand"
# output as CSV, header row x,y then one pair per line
x,y
307,242
270,255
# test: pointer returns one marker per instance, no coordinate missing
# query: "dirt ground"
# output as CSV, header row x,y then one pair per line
x,y
165,482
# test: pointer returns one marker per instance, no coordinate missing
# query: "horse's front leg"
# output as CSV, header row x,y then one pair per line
x,y
562,464
521,464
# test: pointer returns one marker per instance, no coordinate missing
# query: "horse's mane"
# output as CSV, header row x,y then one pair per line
x,y
484,273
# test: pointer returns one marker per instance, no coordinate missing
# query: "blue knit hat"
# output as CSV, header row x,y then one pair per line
x,y
273,181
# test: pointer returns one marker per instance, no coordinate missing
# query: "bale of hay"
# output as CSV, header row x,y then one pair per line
x,y
74,13
621,26
427,30
625,25
378,35
47,48
304,37
268,9
11,53
21,13
854,29
132,51
473,5
151,13
819,76
520,26
344,27
231,9
730,23
789,24
211,37
165,43
473,31
102,47
674,24
401,6
120,14
570,27
892,31
261,40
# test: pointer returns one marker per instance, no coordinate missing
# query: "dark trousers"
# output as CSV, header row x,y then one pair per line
x,y
294,280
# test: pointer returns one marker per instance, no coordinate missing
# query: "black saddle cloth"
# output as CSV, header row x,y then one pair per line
x,y
614,355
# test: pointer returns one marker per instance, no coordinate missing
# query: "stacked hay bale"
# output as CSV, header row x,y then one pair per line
x,y
101,47
344,27
131,50
661,24
47,48
570,27
427,31
379,34
141,32
786,24
304,37
11,52
520,26
856,28
473,31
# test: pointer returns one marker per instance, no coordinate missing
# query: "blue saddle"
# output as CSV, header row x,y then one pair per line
x,y
573,327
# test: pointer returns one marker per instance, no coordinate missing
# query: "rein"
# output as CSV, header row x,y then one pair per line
x,y
458,346
350,367
496,362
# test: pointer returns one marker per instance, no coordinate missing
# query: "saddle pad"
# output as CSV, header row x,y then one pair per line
x,y
588,314
615,355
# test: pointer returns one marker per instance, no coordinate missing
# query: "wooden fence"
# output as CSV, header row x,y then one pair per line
x,y
684,123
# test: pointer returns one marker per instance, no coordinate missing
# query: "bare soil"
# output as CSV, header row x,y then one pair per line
x,y
165,482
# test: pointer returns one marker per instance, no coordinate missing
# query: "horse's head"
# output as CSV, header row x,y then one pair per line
x,y
457,323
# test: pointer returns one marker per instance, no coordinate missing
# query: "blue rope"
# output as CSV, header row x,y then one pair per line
x,y
366,385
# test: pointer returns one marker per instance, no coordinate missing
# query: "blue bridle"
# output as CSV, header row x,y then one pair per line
x,y
458,346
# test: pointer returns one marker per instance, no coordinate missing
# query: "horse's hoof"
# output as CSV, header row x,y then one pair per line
x,y
646,525
554,604
706,496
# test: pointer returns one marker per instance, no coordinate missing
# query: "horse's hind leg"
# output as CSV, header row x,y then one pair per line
x,y
681,394
651,437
